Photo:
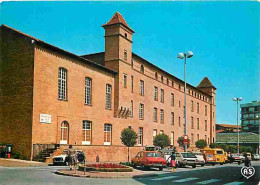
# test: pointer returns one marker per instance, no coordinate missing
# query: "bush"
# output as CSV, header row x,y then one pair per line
x,y
201,144
232,149
224,147
128,138
17,155
213,145
161,140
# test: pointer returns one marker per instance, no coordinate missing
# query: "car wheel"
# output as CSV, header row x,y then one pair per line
x,y
213,164
160,168
194,166
239,163
221,163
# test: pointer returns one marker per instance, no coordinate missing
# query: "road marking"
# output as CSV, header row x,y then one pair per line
x,y
235,183
209,181
164,178
186,180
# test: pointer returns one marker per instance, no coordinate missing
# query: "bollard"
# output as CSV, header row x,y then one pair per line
x,y
8,155
97,159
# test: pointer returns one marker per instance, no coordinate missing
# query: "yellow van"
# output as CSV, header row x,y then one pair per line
x,y
218,153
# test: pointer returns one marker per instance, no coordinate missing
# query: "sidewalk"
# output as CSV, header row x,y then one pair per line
x,y
94,174
20,163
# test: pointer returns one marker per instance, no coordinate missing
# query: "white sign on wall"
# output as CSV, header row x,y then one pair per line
x,y
45,118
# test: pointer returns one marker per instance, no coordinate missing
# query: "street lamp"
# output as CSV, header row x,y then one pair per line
x,y
237,100
189,54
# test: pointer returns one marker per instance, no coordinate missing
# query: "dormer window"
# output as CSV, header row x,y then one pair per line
x,y
142,69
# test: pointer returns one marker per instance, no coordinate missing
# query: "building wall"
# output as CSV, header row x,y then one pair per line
x,y
16,90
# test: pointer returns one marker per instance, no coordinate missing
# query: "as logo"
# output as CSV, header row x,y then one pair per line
x,y
248,172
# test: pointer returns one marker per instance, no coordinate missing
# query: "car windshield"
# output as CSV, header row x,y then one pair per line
x,y
219,152
235,155
153,154
188,155
209,155
199,154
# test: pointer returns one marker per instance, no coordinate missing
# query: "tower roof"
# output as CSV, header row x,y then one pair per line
x,y
205,83
117,19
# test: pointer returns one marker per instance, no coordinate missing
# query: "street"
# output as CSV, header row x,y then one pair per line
x,y
227,174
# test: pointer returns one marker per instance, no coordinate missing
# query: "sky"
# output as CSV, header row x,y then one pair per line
x,y
224,37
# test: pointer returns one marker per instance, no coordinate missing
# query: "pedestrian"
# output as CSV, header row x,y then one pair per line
x,y
173,162
71,156
247,161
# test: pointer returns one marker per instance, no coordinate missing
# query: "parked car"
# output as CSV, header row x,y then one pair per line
x,y
167,152
210,159
186,158
200,157
236,158
255,157
218,153
148,159
242,157
63,159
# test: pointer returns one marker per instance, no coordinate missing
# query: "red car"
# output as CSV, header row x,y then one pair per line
x,y
148,159
209,159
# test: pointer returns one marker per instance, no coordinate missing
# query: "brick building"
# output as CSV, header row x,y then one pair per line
x,y
51,96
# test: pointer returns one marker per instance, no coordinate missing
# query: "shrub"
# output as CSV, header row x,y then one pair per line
x,y
161,140
17,155
201,144
213,145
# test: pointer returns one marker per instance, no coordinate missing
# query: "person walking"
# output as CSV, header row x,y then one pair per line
x,y
71,155
247,161
173,162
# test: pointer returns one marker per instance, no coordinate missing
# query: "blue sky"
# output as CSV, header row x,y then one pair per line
x,y
224,37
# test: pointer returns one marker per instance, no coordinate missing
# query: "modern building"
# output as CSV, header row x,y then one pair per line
x,y
50,96
250,116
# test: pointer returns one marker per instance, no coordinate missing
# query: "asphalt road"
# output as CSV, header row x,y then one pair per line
x,y
227,174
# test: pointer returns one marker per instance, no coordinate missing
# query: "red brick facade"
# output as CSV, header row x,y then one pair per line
x,y
120,68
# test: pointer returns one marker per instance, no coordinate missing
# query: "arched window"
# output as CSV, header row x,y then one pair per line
x,y
142,69
64,132
62,84
88,89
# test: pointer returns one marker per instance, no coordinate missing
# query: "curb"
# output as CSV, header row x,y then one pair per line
x,y
71,175
145,175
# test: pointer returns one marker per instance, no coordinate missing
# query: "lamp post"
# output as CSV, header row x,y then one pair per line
x,y
237,100
184,56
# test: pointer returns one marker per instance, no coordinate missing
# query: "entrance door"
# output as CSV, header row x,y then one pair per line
x,y
64,132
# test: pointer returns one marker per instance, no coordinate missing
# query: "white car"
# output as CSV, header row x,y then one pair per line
x,y
186,158
201,160
61,159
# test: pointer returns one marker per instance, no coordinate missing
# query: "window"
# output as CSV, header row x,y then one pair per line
x,y
198,137
141,87
140,136
179,86
162,95
172,99
62,84
192,123
132,83
172,84
206,138
179,121
192,139
125,80
161,116
198,123
192,106
172,118
206,111
167,81
172,138
162,78
107,134
154,133
179,103
155,114
131,109
86,127
125,35
88,90
198,107
125,55
108,96
155,93
141,111
156,75
64,132
142,69
132,63
161,132
206,125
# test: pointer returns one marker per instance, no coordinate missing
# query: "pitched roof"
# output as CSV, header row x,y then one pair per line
x,y
228,126
205,83
54,48
117,19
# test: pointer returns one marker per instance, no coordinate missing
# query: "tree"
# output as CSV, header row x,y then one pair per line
x,y
128,138
225,147
232,149
161,140
201,144
181,142
213,145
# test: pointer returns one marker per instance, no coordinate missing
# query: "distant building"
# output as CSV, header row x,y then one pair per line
x,y
225,128
250,116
